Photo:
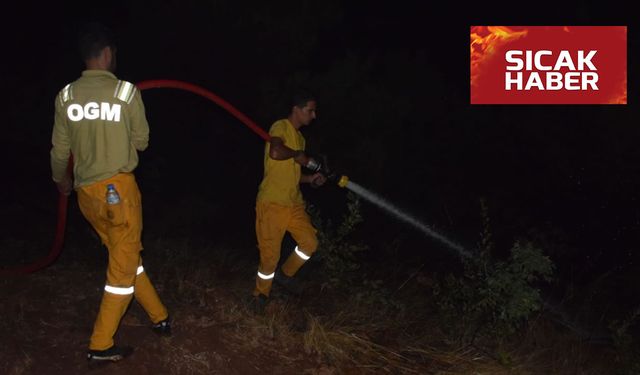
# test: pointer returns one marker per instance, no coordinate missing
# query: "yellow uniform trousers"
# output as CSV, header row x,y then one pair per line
x,y
120,228
272,222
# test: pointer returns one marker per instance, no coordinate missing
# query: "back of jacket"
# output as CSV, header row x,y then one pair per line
x,y
101,121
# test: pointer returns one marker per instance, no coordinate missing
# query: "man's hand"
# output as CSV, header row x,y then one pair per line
x,y
318,179
306,161
65,185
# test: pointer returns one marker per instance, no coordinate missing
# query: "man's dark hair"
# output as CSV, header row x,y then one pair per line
x,y
301,97
93,38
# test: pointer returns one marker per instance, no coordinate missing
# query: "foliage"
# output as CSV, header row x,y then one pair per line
x,y
493,298
620,329
338,253
628,361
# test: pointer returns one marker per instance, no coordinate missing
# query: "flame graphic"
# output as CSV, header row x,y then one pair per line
x,y
622,98
485,40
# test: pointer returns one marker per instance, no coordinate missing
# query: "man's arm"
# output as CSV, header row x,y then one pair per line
x,y
60,152
139,124
279,151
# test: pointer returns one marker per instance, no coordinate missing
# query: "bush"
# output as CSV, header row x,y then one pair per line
x,y
493,298
338,253
628,361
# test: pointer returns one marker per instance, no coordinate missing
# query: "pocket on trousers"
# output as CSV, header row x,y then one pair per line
x,y
114,213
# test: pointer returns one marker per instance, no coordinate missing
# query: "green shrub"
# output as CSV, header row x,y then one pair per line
x,y
337,251
628,358
493,298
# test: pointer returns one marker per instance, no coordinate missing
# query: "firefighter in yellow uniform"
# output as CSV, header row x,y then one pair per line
x,y
101,122
280,207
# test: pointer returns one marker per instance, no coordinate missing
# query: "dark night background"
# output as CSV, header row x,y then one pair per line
x,y
392,81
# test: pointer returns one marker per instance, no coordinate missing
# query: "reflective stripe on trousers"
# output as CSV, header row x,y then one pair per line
x,y
123,291
119,227
272,222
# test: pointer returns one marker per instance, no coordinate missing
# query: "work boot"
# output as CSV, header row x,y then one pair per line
x,y
289,284
258,304
113,354
162,328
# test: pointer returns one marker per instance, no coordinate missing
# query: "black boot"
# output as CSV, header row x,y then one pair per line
x,y
162,328
113,354
289,284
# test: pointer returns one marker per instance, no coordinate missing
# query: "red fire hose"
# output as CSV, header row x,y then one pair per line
x,y
167,83
58,241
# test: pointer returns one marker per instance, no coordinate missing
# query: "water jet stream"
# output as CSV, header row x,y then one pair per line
x,y
395,211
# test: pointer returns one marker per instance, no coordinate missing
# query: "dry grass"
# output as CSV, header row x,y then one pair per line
x,y
182,360
352,346
344,347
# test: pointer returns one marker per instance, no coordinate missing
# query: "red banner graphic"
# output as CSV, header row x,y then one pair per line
x,y
548,65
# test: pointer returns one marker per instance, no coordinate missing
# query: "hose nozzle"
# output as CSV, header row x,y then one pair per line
x,y
316,166
343,181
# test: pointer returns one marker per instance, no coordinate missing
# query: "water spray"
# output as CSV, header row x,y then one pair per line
x,y
344,182
320,165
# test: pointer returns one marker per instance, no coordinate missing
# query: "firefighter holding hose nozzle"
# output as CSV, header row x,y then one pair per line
x,y
280,207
